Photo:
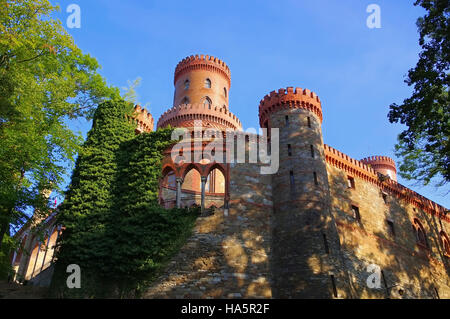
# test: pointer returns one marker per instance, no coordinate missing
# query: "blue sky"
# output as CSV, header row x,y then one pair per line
x,y
321,45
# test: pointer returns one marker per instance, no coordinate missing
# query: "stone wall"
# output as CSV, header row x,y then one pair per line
x,y
408,269
228,255
190,198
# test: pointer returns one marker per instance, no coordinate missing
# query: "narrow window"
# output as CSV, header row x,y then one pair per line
x,y
208,83
437,293
287,120
325,243
350,182
333,283
315,179
385,283
420,233
291,173
185,100
391,228
186,84
225,92
309,121
289,150
356,214
312,151
385,197
207,102
445,242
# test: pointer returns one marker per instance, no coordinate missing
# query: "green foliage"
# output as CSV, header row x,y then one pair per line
x,y
45,79
115,229
5,258
424,145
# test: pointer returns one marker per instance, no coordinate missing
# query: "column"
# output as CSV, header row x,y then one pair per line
x,y
179,183
203,192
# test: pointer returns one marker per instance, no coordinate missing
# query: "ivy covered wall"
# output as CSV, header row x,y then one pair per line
x,y
115,229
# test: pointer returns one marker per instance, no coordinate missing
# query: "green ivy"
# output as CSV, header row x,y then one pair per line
x,y
115,229
5,257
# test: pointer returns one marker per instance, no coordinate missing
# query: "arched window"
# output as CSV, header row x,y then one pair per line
x,y
208,83
420,233
225,92
185,100
170,180
186,84
207,102
215,182
192,180
445,243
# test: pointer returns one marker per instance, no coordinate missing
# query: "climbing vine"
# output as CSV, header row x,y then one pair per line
x,y
115,230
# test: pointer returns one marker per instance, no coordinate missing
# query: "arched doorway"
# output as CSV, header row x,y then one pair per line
x,y
192,180
168,188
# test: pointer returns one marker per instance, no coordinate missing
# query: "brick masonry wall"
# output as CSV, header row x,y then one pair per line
x,y
228,256
306,243
188,198
305,259
409,270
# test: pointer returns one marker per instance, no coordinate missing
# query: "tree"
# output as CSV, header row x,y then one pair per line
x,y
115,229
424,146
45,79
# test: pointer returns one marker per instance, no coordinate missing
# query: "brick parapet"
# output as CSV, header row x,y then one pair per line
x,y
143,119
202,62
178,115
363,171
289,98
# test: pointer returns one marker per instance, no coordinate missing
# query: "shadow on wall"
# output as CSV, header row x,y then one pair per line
x,y
223,259
384,236
233,257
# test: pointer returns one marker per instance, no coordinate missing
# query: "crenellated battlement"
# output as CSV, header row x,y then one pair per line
x,y
333,154
143,119
382,164
289,98
365,171
184,115
202,62
384,160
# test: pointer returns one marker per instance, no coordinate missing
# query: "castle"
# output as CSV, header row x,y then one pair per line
x,y
324,225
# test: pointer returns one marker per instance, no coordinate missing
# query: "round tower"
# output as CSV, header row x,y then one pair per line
x,y
143,119
202,86
383,165
304,234
202,80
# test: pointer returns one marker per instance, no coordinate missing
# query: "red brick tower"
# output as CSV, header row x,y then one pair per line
x,y
202,86
383,165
